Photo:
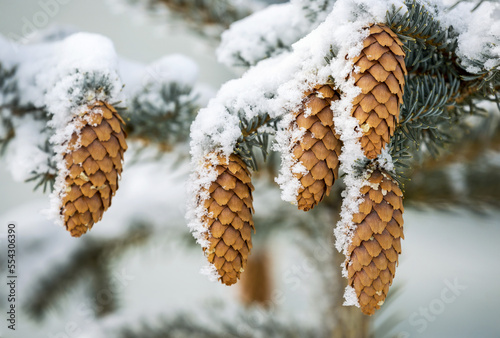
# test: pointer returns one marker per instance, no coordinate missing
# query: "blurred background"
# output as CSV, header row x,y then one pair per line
x,y
136,274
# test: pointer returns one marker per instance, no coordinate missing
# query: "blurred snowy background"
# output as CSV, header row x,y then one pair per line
x,y
446,284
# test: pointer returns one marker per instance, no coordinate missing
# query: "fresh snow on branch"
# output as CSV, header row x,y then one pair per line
x,y
270,31
479,39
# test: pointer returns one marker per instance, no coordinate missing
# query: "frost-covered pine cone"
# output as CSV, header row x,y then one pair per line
x,y
381,78
94,162
229,219
376,243
319,149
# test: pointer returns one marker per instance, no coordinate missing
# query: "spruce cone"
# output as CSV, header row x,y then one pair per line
x,y
230,220
381,79
94,161
256,283
376,243
319,149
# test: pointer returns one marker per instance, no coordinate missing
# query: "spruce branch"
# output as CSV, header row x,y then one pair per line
x,y
270,50
439,92
302,17
162,115
46,178
254,134
424,117
8,89
475,187
478,3
313,8
431,49
419,26
206,17
91,86
429,45
223,12
243,326
485,83
90,259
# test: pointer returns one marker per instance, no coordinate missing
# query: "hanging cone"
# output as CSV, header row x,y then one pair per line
x,y
319,149
229,219
381,79
94,162
376,244
256,283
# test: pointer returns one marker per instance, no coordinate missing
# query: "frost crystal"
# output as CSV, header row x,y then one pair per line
x,y
351,299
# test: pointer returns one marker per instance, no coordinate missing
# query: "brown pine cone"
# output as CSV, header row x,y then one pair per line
x,y
376,243
319,149
256,284
381,79
94,161
229,219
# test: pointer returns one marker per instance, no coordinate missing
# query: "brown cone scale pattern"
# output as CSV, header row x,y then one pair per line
x,y
94,161
229,219
319,149
376,243
381,77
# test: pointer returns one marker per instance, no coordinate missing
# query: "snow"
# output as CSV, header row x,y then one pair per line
x,y
263,34
24,155
201,178
285,143
145,82
480,40
478,31
173,68
80,57
271,31
7,53
147,89
350,296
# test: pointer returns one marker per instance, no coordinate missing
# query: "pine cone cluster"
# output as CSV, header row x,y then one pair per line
x,y
381,78
319,149
229,218
94,162
373,252
376,244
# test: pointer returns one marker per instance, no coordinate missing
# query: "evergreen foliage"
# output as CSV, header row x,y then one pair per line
x,y
434,136
90,260
164,120
254,134
185,325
